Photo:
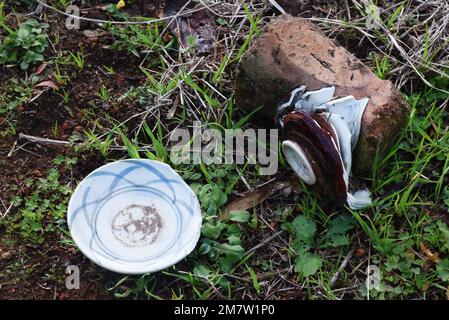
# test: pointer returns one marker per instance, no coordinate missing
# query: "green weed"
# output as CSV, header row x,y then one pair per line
x,y
43,210
25,45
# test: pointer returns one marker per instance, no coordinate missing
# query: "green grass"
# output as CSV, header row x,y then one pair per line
x,y
104,93
77,59
405,216
405,234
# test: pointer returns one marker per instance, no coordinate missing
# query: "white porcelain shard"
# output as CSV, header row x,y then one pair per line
x,y
348,107
286,106
352,111
344,138
344,116
311,101
359,199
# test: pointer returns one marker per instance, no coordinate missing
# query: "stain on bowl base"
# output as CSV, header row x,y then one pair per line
x,y
137,225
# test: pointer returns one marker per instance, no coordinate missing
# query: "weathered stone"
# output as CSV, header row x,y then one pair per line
x,y
293,52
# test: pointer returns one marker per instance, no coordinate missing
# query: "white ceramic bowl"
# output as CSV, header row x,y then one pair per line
x,y
134,217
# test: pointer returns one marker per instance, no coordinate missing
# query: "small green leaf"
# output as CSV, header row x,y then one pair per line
x,y
24,65
202,271
336,240
232,239
443,269
59,159
300,246
304,228
234,230
218,196
253,276
308,264
210,231
336,234
239,216
232,250
204,248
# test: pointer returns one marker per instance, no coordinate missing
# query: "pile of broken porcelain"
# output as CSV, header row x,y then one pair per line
x,y
320,135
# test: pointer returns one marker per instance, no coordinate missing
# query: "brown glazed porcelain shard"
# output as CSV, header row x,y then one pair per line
x,y
321,155
328,128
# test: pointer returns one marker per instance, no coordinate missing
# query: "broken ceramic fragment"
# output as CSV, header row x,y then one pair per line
x,y
292,51
319,137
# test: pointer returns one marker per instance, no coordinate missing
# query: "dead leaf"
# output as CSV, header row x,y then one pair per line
x,y
47,84
41,68
434,257
6,255
254,198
